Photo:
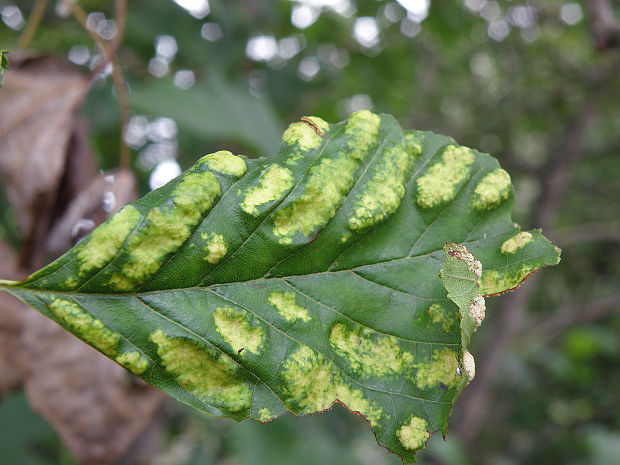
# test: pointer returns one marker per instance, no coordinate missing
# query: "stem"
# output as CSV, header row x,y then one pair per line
x,y
33,24
108,53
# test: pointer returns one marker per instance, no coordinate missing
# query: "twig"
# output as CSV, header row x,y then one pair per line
x,y
38,10
109,58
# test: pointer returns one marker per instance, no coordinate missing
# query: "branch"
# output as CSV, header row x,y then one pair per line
x,y
33,24
109,58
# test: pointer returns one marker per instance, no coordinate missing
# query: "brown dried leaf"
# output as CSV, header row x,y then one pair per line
x,y
37,120
11,314
104,195
96,406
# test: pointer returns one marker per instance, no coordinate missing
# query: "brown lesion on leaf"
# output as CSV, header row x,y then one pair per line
x,y
313,125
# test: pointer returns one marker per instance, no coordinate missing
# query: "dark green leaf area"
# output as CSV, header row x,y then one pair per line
x,y
256,287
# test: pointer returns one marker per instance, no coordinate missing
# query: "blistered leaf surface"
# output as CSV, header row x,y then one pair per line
x,y
252,288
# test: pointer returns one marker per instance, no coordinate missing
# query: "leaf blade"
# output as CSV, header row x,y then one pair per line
x,y
302,279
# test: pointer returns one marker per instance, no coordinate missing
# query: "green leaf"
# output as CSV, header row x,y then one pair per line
x,y
4,64
249,288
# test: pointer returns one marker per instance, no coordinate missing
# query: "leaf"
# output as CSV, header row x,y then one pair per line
x,y
249,288
37,142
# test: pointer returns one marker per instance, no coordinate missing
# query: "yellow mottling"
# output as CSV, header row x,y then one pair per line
x,y
285,303
494,281
210,376
441,369
313,383
439,185
383,194
134,362
439,315
492,190
235,327
104,243
224,162
166,228
369,353
273,184
216,247
264,415
413,435
516,242
71,316
302,134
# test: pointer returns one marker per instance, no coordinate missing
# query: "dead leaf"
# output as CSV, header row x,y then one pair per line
x,y
97,407
37,121
11,314
105,195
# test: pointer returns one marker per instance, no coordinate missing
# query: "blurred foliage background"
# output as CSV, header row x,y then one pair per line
x,y
534,83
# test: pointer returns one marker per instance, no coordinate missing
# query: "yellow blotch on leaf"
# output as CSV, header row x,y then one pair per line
x,y
166,228
313,383
273,183
235,327
369,353
384,192
133,361
264,415
104,243
440,316
362,130
440,369
85,326
210,376
413,434
516,242
302,134
216,247
494,281
287,307
438,186
224,162
492,190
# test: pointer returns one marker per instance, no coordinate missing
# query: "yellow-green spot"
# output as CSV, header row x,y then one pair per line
x,y
345,237
439,185
414,143
264,415
224,162
329,183
133,361
440,369
212,378
413,434
313,384
516,242
71,282
440,316
235,327
82,324
492,190
287,307
216,247
494,281
362,130
104,243
302,134
273,183
319,123
369,353
166,228
385,191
